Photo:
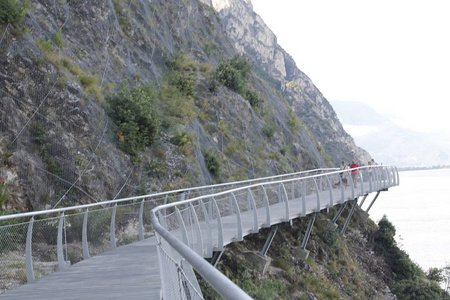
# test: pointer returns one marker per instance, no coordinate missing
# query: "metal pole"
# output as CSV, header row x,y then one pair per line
x,y
308,231
347,221
269,240
373,201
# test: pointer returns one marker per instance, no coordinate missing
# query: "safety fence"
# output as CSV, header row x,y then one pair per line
x,y
34,244
191,230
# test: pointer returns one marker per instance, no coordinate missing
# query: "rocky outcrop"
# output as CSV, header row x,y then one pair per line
x,y
252,37
57,77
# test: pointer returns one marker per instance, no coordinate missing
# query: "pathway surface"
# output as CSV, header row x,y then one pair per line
x,y
126,273
132,271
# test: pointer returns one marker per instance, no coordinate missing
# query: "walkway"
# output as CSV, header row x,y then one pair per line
x,y
132,271
126,273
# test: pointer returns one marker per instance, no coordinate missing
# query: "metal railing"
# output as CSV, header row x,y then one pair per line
x,y
35,244
191,230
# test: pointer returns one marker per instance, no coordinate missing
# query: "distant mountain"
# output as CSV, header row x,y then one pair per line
x,y
387,142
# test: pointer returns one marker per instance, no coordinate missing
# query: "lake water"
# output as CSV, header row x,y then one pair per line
x,y
419,208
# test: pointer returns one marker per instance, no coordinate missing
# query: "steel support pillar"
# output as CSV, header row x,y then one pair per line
x,y
216,257
373,201
363,199
308,231
347,221
269,240
341,209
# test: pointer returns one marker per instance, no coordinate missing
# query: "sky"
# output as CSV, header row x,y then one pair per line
x,y
392,55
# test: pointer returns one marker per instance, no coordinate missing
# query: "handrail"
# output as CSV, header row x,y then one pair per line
x,y
77,207
379,178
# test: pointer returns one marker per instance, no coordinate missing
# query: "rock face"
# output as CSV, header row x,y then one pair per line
x,y
252,37
59,145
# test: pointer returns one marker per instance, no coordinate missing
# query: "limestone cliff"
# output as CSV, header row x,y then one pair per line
x,y
252,37
65,62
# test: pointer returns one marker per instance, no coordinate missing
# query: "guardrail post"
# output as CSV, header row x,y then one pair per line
x,y
318,196
182,227
303,192
141,221
84,240
209,247
330,187
251,201
59,244
198,233
238,218
28,254
341,185
112,229
266,203
284,196
219,226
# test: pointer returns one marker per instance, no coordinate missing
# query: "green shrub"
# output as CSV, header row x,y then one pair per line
x,y
185,83
11,12
232,73
419,290
399,261
212,163
46,46
57,38
269,130
134,113
253,97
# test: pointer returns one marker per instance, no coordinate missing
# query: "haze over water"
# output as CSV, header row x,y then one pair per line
x,y
420,211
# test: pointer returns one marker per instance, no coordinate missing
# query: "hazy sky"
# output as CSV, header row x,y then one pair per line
x,y
393,55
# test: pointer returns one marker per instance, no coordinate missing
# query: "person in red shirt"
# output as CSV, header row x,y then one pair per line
x,y
354,173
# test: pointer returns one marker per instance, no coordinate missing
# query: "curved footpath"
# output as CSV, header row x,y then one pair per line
x,y
109,275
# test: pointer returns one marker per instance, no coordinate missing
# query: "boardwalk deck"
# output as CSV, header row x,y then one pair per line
x,y
132,271
127,272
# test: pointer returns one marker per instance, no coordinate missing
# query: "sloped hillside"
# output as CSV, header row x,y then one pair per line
x,y
215,115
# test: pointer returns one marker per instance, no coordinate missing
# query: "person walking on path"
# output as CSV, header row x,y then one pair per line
x,y
354,172
342,169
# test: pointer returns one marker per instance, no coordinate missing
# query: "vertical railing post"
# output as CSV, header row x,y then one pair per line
x,y
330,188
209,243
84,238
219,226
284,196
59,244
317,194
28,254
182,227
303,190
266,203
251,201
112,229
141,221
239,236
198,234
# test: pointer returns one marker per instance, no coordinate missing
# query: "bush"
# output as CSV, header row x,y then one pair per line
x,y
253,97
399,261
269,130
212,163
232,73
11,12
134,113
57,38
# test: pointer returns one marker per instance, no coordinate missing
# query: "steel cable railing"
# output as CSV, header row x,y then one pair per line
x,y
34,244
195,228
